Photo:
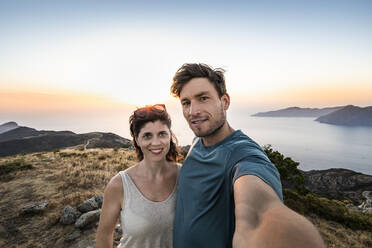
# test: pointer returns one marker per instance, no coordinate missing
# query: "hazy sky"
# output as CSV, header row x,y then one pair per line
x,y
276,53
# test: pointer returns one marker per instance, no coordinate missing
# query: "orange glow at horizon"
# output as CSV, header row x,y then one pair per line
x,y
25,101
319,96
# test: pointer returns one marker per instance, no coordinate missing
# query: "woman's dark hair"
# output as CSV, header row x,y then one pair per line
x,y
189,71
152,113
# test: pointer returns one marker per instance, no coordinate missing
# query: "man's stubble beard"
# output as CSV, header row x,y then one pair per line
x,y
215,128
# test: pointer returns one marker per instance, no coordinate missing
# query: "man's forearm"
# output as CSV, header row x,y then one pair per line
x,y
279,227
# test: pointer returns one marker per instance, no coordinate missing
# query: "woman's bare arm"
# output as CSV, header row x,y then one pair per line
x,y
113,197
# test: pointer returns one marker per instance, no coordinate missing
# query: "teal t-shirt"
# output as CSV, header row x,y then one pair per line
x,y
205,214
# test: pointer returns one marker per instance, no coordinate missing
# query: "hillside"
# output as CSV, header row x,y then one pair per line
x,y
70,176
298,112
26,132
349,116
27,140
8,126
340,184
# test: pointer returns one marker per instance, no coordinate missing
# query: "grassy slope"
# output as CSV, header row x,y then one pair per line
x,y
71,176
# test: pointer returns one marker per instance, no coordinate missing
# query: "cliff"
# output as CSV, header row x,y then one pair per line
x,y
338,184
349,116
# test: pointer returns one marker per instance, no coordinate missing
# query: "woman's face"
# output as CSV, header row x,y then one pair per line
x,y
154,141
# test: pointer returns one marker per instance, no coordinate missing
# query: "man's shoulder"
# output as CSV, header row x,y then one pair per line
x,y
241,141
242,147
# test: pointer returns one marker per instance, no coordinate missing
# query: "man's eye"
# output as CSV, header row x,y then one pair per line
x,y
203,98
185,104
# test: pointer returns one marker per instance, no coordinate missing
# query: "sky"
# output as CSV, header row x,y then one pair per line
x,y
97,58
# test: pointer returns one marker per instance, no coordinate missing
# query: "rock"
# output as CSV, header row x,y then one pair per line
x,y
185,148
34,208
352,207
88,218
74,235
69,215
367,211
88,205
99,200
84,244
118,233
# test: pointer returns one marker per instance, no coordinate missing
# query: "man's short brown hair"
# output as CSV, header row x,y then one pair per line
x,y
189,71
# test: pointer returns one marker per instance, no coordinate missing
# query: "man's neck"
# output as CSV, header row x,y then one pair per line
x,y
217,137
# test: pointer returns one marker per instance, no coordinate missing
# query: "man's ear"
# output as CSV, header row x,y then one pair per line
x,y
225,99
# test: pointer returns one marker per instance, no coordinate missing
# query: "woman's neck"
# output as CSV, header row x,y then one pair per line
x,y
153,169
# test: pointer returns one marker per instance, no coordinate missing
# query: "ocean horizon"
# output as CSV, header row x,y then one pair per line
x,y
316,146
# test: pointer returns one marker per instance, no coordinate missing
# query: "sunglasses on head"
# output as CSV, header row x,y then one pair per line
x,y
160,108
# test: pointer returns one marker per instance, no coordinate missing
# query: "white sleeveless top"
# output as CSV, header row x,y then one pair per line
x,y
145,224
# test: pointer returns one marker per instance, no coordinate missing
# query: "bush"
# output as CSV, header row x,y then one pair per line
x,y
328,209
16,165
290,175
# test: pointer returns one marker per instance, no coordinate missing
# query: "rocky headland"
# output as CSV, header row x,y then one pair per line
x,y
340,184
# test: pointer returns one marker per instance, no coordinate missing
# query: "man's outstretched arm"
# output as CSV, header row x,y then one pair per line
x,y
262,220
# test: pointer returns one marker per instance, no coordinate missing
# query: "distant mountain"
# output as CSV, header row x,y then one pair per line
x,y
8,126
349,116
298,112
26,140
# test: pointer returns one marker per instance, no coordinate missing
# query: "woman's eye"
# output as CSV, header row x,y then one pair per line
x,y
163,134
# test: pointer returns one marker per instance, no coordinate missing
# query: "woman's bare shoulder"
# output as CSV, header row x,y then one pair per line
x,y
115,185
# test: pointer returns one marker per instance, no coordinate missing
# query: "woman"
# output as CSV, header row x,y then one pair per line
x,y
144,195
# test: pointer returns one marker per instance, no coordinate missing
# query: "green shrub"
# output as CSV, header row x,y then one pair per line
x,y
328,209
16,165
67,154
290,175
102,157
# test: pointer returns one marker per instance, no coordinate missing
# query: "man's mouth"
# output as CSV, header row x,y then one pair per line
x,y
197,122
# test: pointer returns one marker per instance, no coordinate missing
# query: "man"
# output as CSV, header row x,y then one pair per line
x,y
229,192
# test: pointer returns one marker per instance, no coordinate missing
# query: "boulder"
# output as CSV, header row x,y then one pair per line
x,y
88,218
99,200
88,205
69,215
74,235
34,208
118,233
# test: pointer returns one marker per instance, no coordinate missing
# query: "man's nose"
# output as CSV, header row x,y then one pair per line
x,y
194,109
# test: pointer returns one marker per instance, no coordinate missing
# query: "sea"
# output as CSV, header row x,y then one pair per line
x,y
316,146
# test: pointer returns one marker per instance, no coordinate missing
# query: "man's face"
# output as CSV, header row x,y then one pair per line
x,y
202,108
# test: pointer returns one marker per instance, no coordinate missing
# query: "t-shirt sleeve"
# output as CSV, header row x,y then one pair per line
x,y
259,167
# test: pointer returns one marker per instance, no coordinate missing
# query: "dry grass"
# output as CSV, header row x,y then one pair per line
x,y
336,235
70,176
